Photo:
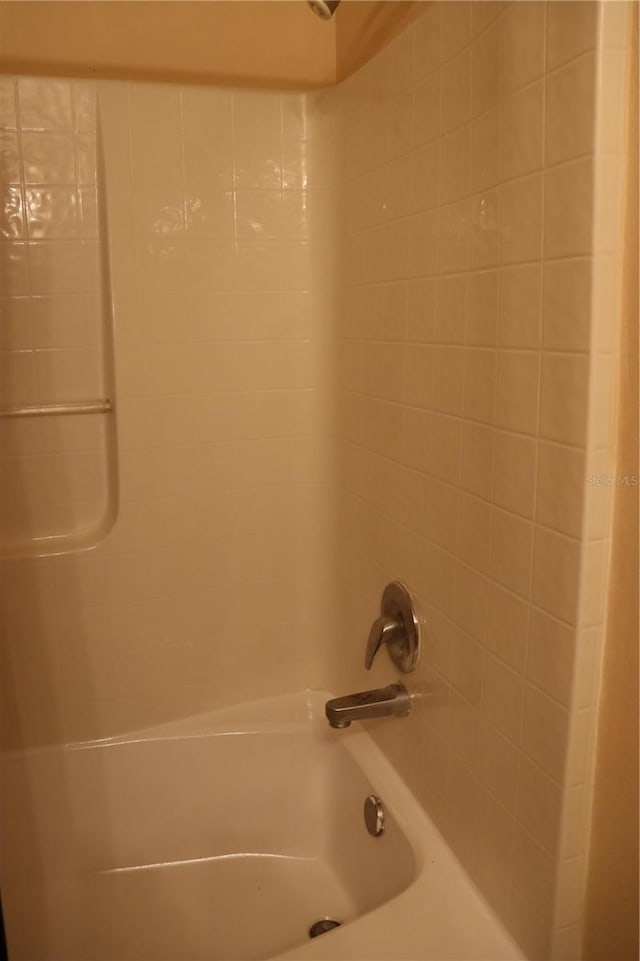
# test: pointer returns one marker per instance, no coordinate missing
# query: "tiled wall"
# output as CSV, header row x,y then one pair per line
x,y
211,585
53,318
474,371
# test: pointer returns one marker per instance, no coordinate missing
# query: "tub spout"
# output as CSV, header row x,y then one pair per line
x,y
382,702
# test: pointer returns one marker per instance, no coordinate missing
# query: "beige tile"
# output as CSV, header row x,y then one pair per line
x,y
455,178
446,443
400,122
492,865
463,729
551,656
521,220
15,270
470,611
539,806
426,43
69,374
485,229
568,209
400,62
578,765
523,44
486,69
517,391
530,912
19,380
437,640
602,389
545,732
416,439
72,267
571,30
425,177
451,309
561,488
460,800
456,27
570,111
512,543
572,881
520,299
480,385
441,573
514,473
304,165
482,320
456,91
614,27
485,150
441,510
90,673
556,572
594,583
485,13
407,500
80,580
598,497
420,376
152,111
427,110
503,698
574,818
611,81
15,324
566,305
423,244
455,226
522,131
206,118
507,627
14,213
498,761
477,459
448,379
474,532
8,93
45,103
466,667
567,941
563,398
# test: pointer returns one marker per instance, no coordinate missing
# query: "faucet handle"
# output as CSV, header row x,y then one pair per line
x,y
397,627
383,630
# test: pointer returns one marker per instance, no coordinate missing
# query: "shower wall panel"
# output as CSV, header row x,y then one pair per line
x,y
475,349
211,587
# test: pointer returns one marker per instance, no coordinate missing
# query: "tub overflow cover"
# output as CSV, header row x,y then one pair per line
x,y
374,816
322,926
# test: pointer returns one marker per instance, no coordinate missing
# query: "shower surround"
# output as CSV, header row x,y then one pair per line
x,y
212,585
362,334
480,214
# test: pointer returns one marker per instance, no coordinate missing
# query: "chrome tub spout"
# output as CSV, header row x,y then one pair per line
x,y
381,702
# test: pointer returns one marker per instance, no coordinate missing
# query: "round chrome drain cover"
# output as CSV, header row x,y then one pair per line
x,y
374,816
322,926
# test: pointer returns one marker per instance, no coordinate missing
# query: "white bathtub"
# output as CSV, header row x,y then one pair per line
x,y
225,837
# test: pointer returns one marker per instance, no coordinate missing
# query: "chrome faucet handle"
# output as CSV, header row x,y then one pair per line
x,y
397,627
383,630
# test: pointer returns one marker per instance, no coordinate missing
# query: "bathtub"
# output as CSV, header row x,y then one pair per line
x,y
226,837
